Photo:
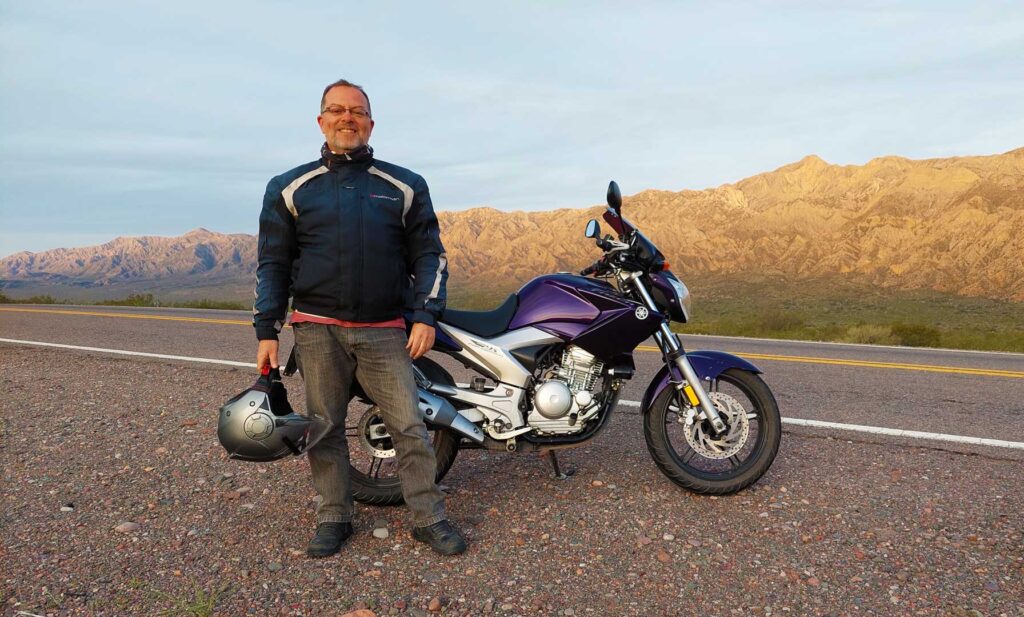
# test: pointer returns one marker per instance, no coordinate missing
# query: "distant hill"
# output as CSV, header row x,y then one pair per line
x,y
199,263
952,224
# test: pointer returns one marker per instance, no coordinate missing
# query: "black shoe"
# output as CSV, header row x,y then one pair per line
x,y
328,539
442,536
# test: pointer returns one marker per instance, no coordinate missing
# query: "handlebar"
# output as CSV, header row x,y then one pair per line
x,y
597,266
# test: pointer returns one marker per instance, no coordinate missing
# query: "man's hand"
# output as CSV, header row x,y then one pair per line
x,y
266,353
421,339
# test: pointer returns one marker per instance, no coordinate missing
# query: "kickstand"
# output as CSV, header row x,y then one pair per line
x,y
558,472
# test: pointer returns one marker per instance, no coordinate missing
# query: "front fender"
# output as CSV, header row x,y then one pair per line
x,y
707,364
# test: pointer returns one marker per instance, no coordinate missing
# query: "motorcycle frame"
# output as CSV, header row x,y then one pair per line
x,y
504,405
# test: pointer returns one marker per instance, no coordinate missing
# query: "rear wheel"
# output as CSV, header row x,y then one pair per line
x,y
373,464
688,451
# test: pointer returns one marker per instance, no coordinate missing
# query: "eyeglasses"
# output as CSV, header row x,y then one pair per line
x,y
358,112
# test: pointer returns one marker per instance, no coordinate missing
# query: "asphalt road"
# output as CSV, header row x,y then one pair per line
x,y
941,391
844,523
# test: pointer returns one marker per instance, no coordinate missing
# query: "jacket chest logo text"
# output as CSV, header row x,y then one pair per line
x,y
375,196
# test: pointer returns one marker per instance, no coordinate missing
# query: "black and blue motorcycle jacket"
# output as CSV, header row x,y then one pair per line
x,y
348,237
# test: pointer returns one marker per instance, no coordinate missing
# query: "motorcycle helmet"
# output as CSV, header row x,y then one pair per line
x,y
260,425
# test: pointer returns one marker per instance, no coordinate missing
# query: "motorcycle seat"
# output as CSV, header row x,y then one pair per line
x,y
483,323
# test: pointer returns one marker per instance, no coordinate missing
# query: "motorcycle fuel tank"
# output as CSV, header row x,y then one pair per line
x,y
586,312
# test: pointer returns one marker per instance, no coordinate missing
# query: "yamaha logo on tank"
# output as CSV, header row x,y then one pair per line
x,y
641,313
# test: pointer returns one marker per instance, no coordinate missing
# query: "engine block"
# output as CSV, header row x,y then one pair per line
x,y
579,369
576,375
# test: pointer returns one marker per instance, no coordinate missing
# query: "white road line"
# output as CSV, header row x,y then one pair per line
x,y
895,432
859,428
131,353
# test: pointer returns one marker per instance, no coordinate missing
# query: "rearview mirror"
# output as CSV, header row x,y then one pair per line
x,y
614,197
593,229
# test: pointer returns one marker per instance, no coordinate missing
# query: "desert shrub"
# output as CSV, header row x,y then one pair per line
x,y
972,339
870,334
778,321
916,335
204,303
5,299
47,299
132,300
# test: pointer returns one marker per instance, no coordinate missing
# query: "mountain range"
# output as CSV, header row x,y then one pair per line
x,y
947,224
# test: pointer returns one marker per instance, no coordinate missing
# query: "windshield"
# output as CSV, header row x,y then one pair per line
x,y
644,249
620,224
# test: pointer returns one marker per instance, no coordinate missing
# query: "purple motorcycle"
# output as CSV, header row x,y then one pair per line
x,y
550,363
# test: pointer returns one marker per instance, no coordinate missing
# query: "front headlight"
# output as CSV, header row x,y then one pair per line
x,y
683,294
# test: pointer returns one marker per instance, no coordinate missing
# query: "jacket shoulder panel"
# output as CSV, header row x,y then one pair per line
x,y
401,173
283,180
292,180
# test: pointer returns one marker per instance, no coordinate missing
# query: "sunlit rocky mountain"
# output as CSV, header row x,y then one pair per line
x,y
950,224
198,263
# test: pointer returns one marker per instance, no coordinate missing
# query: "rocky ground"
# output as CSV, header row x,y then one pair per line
x,y
118,500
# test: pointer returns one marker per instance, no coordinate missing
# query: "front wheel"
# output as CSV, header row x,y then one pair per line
x,y
687,450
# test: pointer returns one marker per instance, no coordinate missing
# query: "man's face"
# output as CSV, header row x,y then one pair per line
x,y
341,122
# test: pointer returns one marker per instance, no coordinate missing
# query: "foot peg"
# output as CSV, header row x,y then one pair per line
x,y
559,474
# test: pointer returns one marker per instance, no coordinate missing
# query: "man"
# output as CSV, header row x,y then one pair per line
x,y
344,235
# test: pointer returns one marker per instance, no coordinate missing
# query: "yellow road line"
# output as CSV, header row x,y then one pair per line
x,y
907,367
753,356
869,364
129,316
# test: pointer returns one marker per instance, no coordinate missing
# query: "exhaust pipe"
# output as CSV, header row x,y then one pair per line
x,y
438,411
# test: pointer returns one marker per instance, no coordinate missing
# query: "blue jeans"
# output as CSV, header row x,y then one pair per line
x,y
329,357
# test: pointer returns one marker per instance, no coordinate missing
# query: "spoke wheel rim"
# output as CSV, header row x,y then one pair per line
x,y
373,435
374,455
701,437
722,467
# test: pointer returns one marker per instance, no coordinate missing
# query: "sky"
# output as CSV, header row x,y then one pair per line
x,y
155,118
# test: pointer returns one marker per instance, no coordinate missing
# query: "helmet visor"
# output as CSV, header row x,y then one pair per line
x,y
315,428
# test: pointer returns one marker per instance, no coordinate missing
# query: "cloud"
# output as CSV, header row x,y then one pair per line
x,y
155,118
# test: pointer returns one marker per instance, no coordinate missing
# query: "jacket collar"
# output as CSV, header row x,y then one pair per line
x,y
336,162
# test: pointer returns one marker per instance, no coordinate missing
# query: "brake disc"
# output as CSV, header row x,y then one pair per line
x,y
703,439
374,436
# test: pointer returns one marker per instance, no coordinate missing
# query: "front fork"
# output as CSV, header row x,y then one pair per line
x,y
673,350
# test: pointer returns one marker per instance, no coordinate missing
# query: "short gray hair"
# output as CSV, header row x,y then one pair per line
x,y
346,84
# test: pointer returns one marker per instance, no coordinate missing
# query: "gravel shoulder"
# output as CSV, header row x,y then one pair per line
x,y
839,526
